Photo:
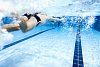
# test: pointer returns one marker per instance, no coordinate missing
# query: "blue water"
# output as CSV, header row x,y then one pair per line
x,y
51,49
91,48
54,48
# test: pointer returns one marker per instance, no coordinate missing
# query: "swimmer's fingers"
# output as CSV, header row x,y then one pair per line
x,y
63,20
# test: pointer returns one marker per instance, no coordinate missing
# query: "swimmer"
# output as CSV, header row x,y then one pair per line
x,y
29,21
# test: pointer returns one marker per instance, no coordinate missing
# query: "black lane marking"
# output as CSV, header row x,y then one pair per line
x,y
21,40
78,57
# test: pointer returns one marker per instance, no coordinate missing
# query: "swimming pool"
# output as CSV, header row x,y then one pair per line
x,y
54,47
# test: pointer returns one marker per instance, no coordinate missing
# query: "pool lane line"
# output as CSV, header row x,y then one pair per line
x,y
78,57
21,40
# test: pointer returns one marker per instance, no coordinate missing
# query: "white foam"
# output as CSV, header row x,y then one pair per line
x,y
91,20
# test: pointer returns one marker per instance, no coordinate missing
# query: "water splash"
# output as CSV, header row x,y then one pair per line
x,y
90,22
86,22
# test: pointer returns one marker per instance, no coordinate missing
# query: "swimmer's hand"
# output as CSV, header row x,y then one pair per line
x,y
63,20
58,19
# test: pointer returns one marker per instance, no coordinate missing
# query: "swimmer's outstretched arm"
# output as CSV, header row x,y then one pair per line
x,y
57,19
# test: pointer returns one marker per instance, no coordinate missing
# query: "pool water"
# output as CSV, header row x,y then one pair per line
x,y
52,48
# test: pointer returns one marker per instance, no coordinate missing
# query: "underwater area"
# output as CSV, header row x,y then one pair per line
x,y
74,42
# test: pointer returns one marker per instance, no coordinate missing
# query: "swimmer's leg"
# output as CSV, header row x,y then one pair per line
x,y
11,27
30,24
23,26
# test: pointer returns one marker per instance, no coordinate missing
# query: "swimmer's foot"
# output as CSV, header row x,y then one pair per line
x,y
23,26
